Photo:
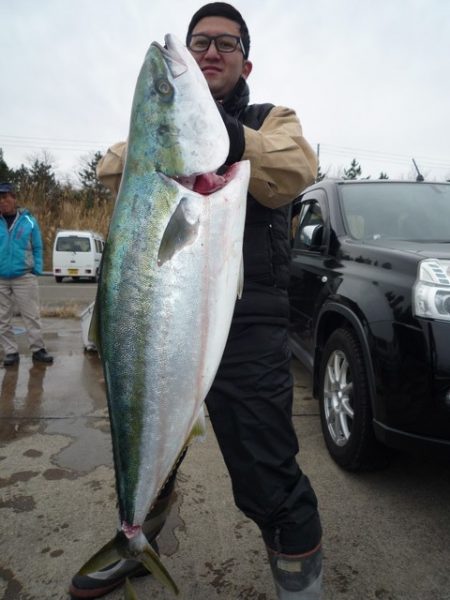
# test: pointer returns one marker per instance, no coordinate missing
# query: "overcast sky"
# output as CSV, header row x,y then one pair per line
x,y
369,79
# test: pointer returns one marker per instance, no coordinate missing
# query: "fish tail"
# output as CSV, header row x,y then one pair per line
x,y
153,564
119,548
130,594
107,555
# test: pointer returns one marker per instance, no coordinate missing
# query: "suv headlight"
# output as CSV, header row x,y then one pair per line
x,y
431,292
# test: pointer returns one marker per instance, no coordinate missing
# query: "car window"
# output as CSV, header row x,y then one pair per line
x,y
73,244
404,211
309,231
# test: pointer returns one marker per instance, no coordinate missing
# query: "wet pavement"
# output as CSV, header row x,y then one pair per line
x,y
386,535
57,497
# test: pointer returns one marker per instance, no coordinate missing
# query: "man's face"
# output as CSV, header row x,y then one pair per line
x,y
7,204
221,70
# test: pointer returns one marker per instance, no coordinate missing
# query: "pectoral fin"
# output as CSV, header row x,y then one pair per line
x,y
181,231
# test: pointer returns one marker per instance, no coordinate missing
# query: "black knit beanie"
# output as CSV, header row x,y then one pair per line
x,y
221,9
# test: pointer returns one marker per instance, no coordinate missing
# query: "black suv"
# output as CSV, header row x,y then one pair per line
x,y
370,314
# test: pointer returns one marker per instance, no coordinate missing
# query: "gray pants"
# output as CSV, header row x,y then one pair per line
x,y
22,292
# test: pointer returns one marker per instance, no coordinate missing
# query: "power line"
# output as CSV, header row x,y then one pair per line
x,y
53,147
386,157
326,150
51,144
49,139
60,143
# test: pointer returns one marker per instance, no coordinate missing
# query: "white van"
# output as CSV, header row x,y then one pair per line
x,y
77,254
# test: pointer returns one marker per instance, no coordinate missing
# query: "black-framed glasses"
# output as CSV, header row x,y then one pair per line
x,y
200,42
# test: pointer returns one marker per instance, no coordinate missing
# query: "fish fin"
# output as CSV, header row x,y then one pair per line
x,y
119,548
108,554
241,279
181,231
199,429
93,334
153,564
130,594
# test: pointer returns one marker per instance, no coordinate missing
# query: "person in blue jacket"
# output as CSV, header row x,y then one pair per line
x,y
20,262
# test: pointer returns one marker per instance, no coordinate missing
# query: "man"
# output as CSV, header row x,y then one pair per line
x,y
250,402
20,263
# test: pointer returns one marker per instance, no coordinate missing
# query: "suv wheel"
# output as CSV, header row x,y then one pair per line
x,y
345,408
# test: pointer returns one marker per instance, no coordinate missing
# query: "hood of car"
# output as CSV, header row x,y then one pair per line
x,y
423,249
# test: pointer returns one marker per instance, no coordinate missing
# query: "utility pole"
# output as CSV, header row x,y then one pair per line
x,y
318,161
419,177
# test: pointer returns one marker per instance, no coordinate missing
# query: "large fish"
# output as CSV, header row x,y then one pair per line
x,y
170,277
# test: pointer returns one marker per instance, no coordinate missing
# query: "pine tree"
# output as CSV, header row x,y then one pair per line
x,y
42,176
320,175
354,172
89,180
5,171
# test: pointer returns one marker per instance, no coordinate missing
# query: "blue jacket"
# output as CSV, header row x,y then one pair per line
x,y
21,246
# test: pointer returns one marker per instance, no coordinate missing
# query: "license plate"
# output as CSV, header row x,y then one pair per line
x,y
73,271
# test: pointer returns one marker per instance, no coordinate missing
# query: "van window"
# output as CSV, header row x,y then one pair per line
x,y
73,243
98,246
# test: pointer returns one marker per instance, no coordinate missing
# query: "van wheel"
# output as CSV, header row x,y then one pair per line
x,y
345,406
58,278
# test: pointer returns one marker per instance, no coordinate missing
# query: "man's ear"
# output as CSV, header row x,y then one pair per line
x,y
247,68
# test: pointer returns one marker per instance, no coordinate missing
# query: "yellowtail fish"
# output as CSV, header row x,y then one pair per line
x,y
170,278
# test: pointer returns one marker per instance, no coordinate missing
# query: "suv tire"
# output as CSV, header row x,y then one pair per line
x,y
345,407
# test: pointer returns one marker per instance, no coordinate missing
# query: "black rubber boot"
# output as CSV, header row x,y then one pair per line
x,y
101,582
11,359
297,576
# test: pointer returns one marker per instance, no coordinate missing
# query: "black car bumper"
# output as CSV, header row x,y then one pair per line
x,y
411,366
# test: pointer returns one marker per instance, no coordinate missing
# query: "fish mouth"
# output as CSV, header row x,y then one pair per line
x,y
204,183
172,56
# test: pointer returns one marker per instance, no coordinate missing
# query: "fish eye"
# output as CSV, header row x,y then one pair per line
x,y
164,87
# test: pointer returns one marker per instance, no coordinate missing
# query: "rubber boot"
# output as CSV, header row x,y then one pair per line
x,y
101,582
297,576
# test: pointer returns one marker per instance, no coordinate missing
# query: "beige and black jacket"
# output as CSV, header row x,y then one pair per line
x,y
283,164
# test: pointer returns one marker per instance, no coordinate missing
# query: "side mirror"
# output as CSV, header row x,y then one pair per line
x,y
311,237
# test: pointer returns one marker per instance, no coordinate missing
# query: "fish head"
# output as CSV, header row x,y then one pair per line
x,y
175,125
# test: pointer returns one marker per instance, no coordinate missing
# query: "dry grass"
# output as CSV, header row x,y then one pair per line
x,y
68,311
69,210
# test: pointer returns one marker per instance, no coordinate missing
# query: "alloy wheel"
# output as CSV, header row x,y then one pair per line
x,y
337,399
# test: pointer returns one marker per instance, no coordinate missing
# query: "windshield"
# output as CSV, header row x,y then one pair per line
x,y
402,211
73,243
